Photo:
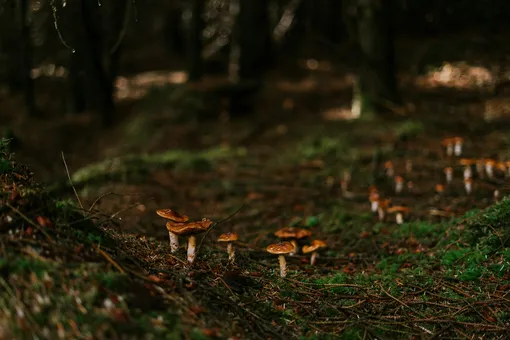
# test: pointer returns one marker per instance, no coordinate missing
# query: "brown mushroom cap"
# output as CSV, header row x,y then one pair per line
x,y
228,237
169,214
290,232
188,228
467,161
447,141
280,248
316,244
384,202
458,139
399,179
398,208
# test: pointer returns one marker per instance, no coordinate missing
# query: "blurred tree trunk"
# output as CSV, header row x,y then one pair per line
x,y
254,38
376,88
76,99
25,12
193,15
93,53
251,53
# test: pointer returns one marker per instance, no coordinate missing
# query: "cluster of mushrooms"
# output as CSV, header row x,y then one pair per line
x,y
453,148
180,225
288,245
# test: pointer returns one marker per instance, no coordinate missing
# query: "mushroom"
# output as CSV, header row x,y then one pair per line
x,y
173,216
399,184
190,229
496,195
281,249
468,185
400,211
292,234
230,238
467,163
409,166
388,167
457,147
448,143
489,167
313,248
381,208
374,201
439,188
449,174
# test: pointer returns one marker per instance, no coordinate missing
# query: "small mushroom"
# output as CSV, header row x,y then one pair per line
x,y
489,167
468,185
457,147
174,216
439,188
292,234
374,201
399,184
467,166
281,249
230,238
409,166
313,248
381,208
449,174
400,211
448,143
388,167
190,229
496,195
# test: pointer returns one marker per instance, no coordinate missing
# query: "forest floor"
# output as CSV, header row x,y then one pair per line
x,y
98,264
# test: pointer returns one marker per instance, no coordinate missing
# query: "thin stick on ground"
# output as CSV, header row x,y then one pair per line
x,y
70,180
214,225
111,260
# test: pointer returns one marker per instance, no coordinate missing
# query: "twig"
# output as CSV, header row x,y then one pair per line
x,y
70,180
23,216
214,225
112,261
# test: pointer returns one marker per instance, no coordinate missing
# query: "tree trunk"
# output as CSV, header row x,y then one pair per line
x,y
194,27
26,57
377,83
254,38
76,100
100,76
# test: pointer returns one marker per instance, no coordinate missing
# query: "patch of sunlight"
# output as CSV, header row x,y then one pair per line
x,y
341,113
460,75
137,86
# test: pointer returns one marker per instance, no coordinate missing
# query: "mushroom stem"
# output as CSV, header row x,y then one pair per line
x,y
192,242
313,258
294,243
380,211
399,218
174,242
283,265
231,252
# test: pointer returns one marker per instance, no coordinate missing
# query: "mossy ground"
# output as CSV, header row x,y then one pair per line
x,y
97,276
105,271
